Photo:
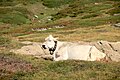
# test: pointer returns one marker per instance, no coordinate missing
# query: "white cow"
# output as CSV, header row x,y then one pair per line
x,y
68,50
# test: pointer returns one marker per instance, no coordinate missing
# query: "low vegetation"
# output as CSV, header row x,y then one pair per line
x,y
56,3
30,68
82,20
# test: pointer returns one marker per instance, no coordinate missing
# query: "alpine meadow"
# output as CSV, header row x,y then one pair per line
x,y
31,21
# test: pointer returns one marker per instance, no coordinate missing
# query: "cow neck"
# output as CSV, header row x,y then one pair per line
x,y
55,46
61,45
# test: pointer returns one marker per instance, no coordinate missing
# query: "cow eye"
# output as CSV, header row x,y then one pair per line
x,y
50,40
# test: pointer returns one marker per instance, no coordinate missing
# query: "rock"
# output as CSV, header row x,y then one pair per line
x,y
116,46
32,49
104,45
112,49
113,55
26,42
117,14
117,25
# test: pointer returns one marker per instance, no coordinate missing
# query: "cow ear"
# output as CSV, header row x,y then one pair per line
x,y
49,37
46,38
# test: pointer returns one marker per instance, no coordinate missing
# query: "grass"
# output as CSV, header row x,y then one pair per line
x,y
15,19
81,7
68,70
4,41
116,9
90,16
39,69
82,20
102,32
14,16
15,2
56,3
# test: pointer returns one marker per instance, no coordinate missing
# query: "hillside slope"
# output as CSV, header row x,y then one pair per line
x,y
70,20
23,12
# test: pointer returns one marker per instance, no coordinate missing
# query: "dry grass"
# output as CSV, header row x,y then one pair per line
x,y
102,32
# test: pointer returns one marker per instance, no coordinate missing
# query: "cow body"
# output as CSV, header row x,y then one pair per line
x,y
69,50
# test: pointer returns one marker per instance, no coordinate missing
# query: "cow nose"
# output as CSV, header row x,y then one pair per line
x,y
44,46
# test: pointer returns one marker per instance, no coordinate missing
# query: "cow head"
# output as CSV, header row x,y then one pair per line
x,y
50,43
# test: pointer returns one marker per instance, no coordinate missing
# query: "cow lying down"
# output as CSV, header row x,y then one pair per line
x,y
68,50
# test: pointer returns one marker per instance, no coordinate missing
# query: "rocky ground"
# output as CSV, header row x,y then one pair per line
x,y
112,49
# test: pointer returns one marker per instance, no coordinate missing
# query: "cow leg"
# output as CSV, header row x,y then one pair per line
x,y
96,55
63,56
60,58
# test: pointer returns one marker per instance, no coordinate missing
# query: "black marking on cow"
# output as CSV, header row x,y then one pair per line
x,y
53,49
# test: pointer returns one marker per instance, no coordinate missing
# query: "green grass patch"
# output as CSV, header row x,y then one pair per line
x,y
17,15
81,7
15,19
97,8
96,21
15,2
90,16
56,3
116,9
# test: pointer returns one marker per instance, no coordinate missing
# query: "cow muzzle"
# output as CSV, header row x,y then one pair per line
x,y
51,51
